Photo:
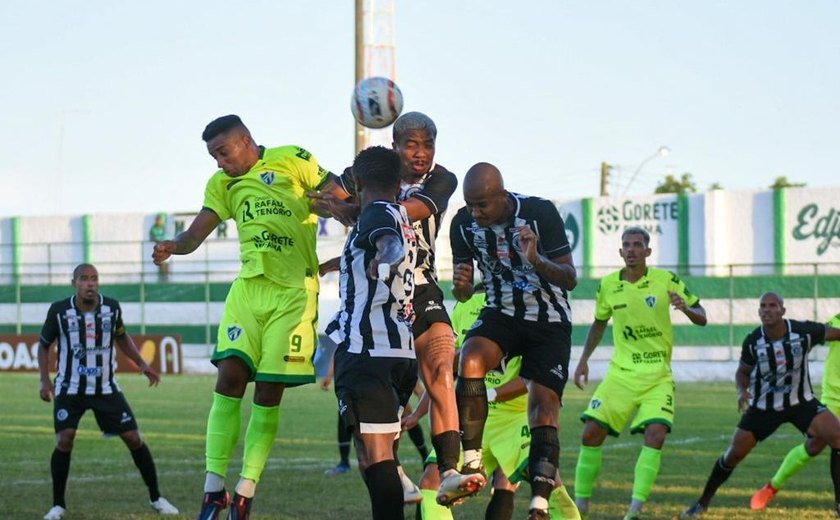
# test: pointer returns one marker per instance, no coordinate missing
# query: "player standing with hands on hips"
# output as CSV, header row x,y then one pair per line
x,y
525,260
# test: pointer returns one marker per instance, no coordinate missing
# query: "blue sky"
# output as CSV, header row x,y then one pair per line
x,y
741,92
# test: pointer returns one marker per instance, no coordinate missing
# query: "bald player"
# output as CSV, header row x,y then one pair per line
x,y
519,246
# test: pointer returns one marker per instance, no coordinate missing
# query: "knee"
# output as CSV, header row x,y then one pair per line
x,y
65,441
472,366
655,437
132,440
734,455
593,434
442,378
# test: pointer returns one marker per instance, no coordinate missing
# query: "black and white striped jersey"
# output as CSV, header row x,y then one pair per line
x,y
780,377
513,286
86,357
376,315
434,190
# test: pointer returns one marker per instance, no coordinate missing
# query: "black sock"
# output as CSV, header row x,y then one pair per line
x,y
500,506
835,474
60,470
471,395
394,449
385,489
419,440
719,475
144,462
543,459
343,442
447,449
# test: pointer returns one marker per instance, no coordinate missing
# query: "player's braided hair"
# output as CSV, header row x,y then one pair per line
x,y
221,125
413,121
378,167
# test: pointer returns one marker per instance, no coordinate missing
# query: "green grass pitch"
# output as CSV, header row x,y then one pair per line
x,y
105,485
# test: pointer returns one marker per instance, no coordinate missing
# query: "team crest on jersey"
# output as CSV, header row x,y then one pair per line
x,y
476,324
595,404
651,301
267,178
233,332
79,351
62,414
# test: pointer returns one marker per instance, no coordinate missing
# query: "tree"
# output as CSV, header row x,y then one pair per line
x,y
783,182
673,185
715,186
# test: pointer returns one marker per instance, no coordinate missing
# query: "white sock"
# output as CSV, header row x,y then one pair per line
x,y
213,482
538,502
472,459
246,488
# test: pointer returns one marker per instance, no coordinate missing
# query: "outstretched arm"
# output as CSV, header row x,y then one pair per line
x,y
333,201
188,241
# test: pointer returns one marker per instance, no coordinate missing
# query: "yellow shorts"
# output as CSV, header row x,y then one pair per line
x,y
272,329
616,398
506,444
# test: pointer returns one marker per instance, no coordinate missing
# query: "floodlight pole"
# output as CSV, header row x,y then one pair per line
x,y
360,67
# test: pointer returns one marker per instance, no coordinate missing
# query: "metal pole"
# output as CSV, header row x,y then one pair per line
x,y
360,66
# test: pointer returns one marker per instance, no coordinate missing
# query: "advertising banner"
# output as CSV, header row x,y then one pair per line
x,y
19,353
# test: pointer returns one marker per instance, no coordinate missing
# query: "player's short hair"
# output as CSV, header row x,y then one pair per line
x,y
413,121
636,230
221,125
378,166
78,270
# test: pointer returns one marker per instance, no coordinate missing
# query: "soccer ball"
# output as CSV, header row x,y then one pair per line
x,y
376,102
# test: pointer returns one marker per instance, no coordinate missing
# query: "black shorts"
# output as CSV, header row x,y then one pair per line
x,y
545,347
113,415
762,423
428,308
372,391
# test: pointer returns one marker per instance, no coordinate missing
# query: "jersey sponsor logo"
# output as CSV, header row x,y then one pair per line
x,y
267,239
62,414
125,418
433,306
294,359
233,332
657,356
89,371
628,333
650,301
619,306
267,207
267,178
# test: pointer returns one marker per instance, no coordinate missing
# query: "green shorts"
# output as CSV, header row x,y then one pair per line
x,y
617,397
272,329
506,444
